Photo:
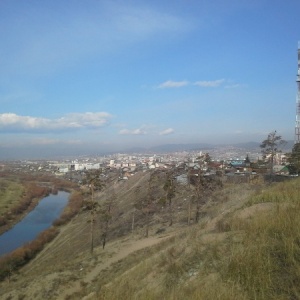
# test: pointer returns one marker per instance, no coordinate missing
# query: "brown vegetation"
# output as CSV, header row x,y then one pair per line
x,y
73,207
33,191
246,253
14,260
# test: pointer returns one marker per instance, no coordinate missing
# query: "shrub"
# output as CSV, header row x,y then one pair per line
x,y
14,260
73,207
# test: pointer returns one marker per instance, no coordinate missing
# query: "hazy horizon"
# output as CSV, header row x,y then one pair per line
x,y
54,152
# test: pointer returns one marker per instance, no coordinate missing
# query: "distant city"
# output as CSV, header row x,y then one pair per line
x,y
143,160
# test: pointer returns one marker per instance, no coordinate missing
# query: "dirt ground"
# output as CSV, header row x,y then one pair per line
x,y
66,264
61,279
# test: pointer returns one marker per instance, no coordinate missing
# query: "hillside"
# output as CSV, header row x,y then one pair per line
x,y
245,246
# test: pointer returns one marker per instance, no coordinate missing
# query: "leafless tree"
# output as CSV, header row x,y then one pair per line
x,y
95,183
202,185
170,188
190,199
106,215
147,204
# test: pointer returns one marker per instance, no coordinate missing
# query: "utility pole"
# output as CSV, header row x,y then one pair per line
x,y
297,125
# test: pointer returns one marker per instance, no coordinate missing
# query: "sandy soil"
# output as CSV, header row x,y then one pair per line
x,y
127,248
66,265
60,281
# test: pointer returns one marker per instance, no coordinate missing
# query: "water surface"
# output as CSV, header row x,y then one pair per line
x,y
39,219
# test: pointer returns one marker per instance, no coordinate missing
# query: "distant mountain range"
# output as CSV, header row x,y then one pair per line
x,y
51,151
201,146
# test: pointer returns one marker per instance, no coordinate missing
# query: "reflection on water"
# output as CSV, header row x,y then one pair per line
x,y
39,219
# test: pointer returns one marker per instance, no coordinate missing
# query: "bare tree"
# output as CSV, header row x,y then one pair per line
x,y
147,204
95,183
190,200
202,185
150,200
133,220
169,188
188,169
199,192
135,207
106,214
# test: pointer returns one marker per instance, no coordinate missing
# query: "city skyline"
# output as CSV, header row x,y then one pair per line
x,y
113,75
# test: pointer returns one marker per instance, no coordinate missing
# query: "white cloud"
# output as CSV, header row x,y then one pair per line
x,y
14,122
173,84
212,83
167,131
204,83
138,131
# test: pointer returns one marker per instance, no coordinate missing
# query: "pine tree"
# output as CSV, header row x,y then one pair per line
x,y
270,147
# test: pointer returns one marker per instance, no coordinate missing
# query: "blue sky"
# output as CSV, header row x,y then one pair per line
x,y
88,76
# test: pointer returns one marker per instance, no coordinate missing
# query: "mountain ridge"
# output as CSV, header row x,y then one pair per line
x,y
201,146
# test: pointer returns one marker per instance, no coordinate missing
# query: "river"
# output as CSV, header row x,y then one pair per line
x,y
39,219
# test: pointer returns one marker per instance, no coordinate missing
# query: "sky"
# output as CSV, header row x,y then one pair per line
x,y
80,77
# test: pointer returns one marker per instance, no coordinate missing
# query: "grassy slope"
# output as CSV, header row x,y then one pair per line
x,y
10,194
254,253
246,247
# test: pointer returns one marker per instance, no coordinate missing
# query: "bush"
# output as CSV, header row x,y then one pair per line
x,y
73,207
22,255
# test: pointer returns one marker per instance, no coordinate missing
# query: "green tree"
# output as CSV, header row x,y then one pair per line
x,y
294,157
247,160
270,147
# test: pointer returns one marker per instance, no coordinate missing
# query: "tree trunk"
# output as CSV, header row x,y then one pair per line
x,y
103,240
92,232
189,211
197,213
132,223
92,221
170,213
147,225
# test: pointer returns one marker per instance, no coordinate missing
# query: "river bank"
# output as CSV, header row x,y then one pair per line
x,y
20,193
39,219
31,197
11,262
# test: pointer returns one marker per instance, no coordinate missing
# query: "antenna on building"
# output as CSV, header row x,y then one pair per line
x,y
297,125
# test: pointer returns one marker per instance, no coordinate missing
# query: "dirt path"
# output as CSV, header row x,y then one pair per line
x,y
66,266
120,253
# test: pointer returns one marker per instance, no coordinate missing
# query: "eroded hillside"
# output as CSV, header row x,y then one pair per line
x,y
231,247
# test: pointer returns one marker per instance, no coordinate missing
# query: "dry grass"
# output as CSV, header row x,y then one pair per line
x,y
10,194
257,257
